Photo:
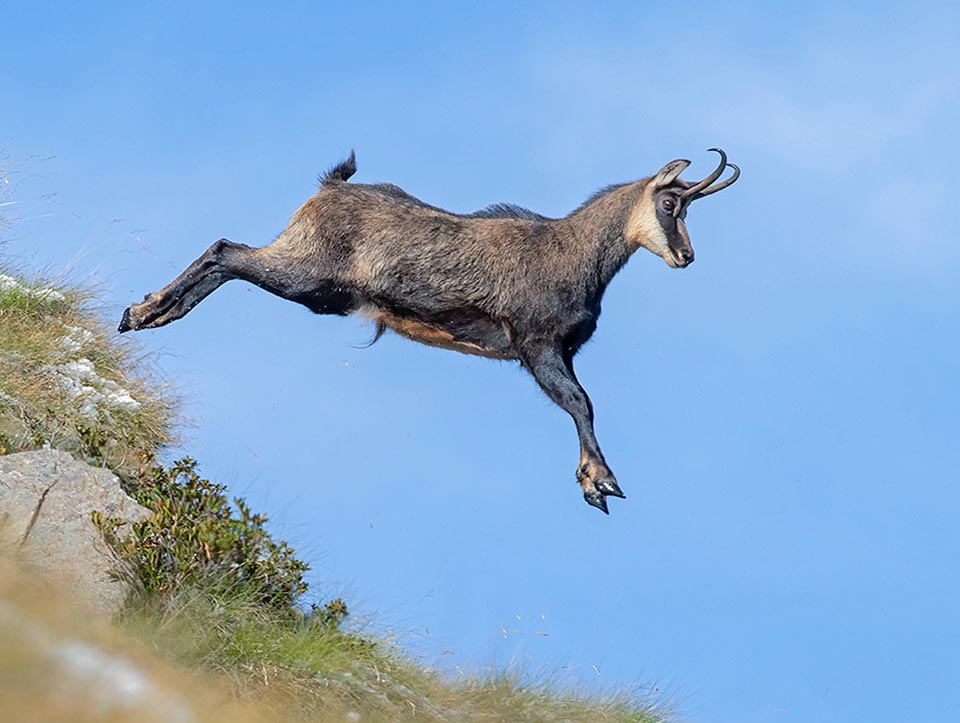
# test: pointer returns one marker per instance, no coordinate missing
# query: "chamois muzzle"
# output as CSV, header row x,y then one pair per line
x,y
704,187
683,257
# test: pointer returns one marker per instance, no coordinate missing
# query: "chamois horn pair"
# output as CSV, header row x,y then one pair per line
x,y
704,187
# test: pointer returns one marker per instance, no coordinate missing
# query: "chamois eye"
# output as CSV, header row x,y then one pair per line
x,y
668,204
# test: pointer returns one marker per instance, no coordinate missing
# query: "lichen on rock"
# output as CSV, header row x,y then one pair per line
x,y
94,394
9,284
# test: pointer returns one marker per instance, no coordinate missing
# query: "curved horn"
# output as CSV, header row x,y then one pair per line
x,y
698,187
720,186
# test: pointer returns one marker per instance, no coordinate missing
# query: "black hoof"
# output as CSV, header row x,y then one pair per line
x,y
125,321
595,499
609,487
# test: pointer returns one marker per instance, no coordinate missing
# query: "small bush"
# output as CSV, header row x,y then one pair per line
x,y
195,538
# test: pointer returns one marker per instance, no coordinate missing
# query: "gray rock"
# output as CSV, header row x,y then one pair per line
x,y
46,503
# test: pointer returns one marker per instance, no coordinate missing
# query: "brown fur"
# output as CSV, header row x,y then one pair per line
x,y
504,283
433,335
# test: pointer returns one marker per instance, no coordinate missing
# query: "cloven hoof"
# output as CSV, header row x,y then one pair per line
x,y
125,324
595,499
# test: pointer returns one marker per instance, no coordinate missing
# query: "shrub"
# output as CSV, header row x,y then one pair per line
x,y
195,538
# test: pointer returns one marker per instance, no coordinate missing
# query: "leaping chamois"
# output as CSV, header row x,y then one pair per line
x,y
503,282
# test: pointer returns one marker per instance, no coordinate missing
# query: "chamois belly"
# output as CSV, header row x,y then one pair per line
x,y
472,334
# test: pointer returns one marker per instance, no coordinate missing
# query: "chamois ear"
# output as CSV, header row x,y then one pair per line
x,y
668,174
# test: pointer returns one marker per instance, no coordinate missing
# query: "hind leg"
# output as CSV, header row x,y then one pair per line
x,y
220,263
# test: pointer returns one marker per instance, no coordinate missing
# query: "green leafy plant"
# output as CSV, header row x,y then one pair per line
x,y
196,538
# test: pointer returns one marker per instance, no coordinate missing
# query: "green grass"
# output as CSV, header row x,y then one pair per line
x,y
217,599
303,669
49,331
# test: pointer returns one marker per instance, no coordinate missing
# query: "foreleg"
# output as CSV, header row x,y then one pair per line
x,y
554,373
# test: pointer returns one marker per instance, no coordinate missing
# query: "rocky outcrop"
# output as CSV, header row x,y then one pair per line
x,y
47,501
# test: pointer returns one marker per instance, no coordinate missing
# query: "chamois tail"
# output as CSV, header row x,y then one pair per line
x,y
340,172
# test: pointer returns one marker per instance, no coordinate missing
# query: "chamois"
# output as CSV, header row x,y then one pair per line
x,y
503,282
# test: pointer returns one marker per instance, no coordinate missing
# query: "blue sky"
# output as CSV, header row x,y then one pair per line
x,y
789,549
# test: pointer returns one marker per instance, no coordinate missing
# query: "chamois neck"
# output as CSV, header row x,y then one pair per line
x,y
599,224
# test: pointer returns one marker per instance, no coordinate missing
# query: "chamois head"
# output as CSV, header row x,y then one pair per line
x,y
656,221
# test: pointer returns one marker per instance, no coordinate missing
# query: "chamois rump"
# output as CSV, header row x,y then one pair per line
x,y
503,282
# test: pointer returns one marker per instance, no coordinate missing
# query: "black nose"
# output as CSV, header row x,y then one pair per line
x,y
686,255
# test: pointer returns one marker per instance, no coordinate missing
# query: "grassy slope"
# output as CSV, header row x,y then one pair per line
x,y
63,384
67,382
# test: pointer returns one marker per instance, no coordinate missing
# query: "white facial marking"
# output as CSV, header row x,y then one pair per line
x,y
643,229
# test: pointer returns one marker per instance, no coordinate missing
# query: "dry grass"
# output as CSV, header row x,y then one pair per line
x,y
59,664
222,660
67,382
303,672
